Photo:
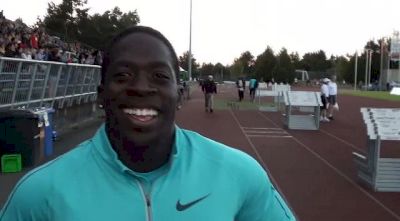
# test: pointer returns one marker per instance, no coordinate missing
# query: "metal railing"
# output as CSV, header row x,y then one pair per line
x,y
30,83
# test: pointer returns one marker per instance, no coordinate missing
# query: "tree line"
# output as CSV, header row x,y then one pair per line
x,y
71,20
282,66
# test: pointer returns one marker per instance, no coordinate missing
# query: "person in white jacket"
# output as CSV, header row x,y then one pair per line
x,y
332,86
324,99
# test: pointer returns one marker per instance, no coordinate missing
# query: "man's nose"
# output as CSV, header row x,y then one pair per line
x,y
141,86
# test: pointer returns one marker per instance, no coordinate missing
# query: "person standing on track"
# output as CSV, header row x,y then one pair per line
x,y
324,99
140,165
209,88
241,85
181,94
253,85
332,96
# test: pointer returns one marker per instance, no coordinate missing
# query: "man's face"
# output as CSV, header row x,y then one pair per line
x,y
139,92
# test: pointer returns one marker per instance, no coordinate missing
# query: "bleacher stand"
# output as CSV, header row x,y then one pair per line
x,y
17,40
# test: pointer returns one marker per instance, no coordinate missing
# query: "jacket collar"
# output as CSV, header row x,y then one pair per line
x,y
103,148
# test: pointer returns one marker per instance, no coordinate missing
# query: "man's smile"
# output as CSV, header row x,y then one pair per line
x,y
141,116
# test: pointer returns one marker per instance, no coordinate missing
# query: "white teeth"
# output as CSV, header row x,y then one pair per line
x,y
140,112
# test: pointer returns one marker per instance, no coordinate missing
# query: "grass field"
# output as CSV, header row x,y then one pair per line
x,y
382,95
223,104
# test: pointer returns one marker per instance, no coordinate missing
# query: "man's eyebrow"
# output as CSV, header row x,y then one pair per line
x,y
161,64
122,63
129,63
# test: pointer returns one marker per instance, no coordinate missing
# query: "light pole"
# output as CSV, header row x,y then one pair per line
x,y
355,71
190,45
370,67
368,61
366,68
381,67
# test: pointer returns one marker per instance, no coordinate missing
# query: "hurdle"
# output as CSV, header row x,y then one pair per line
x,y
382,174
298,101
276,92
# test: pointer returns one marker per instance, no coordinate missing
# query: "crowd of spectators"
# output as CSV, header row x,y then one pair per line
x,y
17,40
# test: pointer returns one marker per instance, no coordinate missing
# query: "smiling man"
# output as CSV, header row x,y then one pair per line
x,y
140,165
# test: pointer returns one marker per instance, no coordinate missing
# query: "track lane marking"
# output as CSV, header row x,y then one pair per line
x,y
395,215
263,164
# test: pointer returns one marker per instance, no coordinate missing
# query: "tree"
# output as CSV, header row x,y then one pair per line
x,y
71,21
315,61
60,18
184,63
219,72
264,65
206,69
100,28
284,69
295,59
342,68
376,56
244,65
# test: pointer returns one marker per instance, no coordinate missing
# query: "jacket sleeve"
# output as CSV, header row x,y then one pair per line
x,y
27,202
262,202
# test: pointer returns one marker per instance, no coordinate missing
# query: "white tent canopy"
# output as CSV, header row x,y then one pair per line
x,y
395,91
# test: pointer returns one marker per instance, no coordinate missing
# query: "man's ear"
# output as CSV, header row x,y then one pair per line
x,y
100,96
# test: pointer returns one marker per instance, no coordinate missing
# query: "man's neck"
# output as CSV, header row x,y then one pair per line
x,y
142,158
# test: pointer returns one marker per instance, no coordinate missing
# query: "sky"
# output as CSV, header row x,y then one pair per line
x,y
223,29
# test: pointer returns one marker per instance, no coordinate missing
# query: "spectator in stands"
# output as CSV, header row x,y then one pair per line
x,y
97,57
10,51
54,55
26,54
140,164
209,88
37,41
34,40
89,59
2,49
41,55
82,58
332,96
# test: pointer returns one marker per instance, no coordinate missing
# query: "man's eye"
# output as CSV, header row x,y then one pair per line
x,y
122,74
161,75
122,77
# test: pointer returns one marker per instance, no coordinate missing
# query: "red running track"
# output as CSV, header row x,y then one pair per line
x,y
313,170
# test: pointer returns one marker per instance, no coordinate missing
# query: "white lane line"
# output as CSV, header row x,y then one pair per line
x,y
343,141
341,174
261,128
270,136
263,164
265,132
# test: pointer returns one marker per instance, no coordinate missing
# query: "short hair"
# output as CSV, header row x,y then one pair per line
x,y
133,30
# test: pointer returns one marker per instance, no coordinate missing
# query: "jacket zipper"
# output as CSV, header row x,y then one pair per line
x,y
146,197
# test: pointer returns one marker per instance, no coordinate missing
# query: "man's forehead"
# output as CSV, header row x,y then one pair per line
x,y
139,42
140,48
125,62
